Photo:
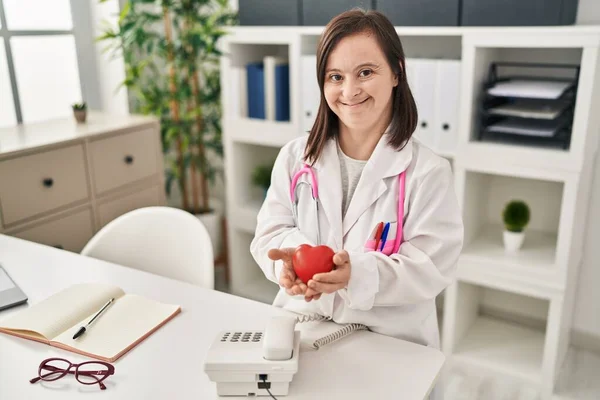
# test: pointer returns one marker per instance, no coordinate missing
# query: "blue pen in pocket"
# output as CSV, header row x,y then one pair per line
x,y
384,235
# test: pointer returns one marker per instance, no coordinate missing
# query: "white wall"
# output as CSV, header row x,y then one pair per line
x,y
111,72
588,12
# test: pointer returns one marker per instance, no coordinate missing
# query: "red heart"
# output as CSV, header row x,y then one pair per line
x,y
308,261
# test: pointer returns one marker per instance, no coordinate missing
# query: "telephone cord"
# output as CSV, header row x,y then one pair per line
x,y
337,335
346,330
311,318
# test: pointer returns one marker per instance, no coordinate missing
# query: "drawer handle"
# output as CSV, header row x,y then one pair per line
x,y
48,182
128,159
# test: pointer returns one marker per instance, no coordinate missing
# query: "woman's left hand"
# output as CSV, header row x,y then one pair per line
x,y
330,282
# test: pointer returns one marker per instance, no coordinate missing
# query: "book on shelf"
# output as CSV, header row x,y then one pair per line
x,y
267,85
123,325
255,90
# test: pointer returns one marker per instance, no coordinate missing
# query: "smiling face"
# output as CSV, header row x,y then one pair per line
x,y
359,82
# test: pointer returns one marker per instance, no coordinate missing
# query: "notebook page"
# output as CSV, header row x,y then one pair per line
x,y
62,310
128,319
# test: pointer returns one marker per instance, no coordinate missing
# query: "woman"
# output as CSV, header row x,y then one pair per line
x,y
358,148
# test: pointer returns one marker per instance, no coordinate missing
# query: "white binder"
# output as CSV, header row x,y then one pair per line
x,y
447,105
310,92
421,74
435,85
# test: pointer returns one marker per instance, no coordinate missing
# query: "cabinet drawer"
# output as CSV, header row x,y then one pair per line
x,y
119,206
123,159
37,183
71,232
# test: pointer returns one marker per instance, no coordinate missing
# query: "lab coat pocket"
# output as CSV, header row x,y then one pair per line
x,y
370,245
390,240
388,246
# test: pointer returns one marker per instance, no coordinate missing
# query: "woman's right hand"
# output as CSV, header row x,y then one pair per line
x,y
288,279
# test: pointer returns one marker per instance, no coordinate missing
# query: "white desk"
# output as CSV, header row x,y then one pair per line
x,y
169,364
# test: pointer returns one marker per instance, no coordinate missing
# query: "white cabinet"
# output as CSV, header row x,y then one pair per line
x,y
60,181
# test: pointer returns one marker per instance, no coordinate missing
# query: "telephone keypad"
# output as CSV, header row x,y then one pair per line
x,y
245,337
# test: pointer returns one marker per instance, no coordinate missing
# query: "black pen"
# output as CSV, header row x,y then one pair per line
x,y
82,330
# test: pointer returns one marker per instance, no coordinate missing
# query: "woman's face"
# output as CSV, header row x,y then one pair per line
x,y
359,82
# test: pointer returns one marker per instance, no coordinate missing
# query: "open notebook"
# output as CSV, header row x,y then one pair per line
x,y
125,323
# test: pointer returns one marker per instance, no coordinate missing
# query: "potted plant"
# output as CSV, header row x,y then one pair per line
x,y
516,215
171,55
80,112
261,177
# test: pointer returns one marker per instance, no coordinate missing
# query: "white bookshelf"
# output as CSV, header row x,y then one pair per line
x,y
542,277
504,348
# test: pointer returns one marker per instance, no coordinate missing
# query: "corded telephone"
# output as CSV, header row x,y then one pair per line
x,y
262,363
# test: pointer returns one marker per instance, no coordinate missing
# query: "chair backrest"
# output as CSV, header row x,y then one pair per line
x,y
162,240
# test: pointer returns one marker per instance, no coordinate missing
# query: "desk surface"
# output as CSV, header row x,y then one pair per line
x,y
169,364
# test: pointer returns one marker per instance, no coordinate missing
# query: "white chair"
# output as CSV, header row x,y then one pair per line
x,y
162,240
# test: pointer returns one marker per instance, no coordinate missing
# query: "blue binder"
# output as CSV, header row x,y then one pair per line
x,y
256,90
282,92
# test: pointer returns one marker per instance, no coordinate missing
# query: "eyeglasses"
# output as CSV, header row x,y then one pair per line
x,y
87,373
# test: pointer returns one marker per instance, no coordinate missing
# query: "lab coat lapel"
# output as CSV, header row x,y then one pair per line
x,y
385,162
330,191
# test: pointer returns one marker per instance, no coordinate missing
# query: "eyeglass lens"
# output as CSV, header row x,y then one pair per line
x,y
90,373
54,369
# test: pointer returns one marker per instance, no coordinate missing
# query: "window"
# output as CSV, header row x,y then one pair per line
x,y
47,59
7,109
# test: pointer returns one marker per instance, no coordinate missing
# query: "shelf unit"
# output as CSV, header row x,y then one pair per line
x,y
486,315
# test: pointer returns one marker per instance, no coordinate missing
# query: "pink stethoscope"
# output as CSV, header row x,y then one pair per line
x,y
315,195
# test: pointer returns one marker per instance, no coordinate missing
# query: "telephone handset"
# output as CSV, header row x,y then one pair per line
x,y
278,343
262,363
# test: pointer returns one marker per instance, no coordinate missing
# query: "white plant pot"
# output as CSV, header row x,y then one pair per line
x,y
212,222
513,241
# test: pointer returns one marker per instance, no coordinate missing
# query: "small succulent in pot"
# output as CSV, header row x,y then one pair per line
x,y
516,216
80,112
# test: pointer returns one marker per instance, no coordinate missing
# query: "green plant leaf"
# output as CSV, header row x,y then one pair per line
x,y
516,215
124,12
261,175
140,40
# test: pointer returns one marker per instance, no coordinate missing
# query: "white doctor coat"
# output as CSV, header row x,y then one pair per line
x,y
392,295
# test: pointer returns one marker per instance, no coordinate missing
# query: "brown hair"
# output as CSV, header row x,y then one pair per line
x,y
404,109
